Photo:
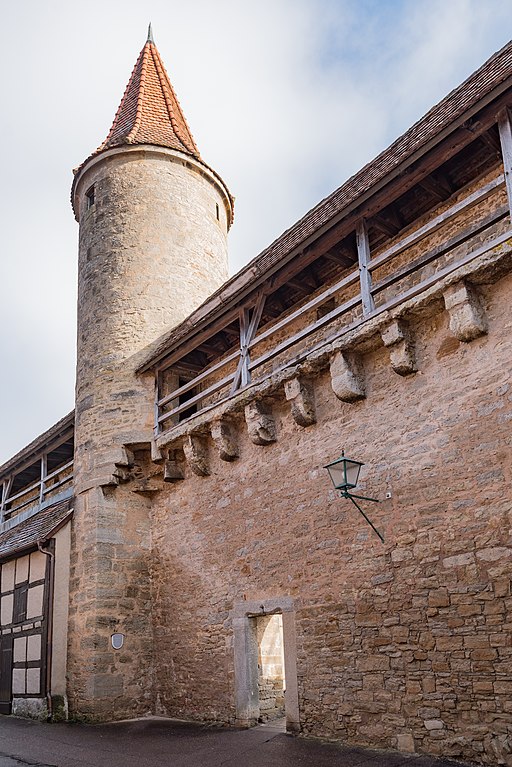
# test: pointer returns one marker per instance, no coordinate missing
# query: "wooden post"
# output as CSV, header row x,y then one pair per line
x,y
156,428
248,330
365,278
244,351
6,489
506,151
44,464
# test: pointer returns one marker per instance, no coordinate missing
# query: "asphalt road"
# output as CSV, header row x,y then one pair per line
x,y
164,743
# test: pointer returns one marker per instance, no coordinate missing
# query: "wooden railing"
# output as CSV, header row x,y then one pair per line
x,y
372,298
38,492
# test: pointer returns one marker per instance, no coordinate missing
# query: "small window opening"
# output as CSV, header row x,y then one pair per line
x,y
217,210
89,197
184,398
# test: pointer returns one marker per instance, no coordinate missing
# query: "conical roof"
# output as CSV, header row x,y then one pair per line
x,y
149,112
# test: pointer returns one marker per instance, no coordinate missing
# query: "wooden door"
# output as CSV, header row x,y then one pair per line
x,y
6,645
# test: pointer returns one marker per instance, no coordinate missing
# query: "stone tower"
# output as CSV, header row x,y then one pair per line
x,y
153,223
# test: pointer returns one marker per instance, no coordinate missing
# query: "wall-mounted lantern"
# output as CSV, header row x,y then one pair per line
x,y
344,473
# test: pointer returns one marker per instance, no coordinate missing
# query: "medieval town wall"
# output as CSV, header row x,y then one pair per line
x,y
404,644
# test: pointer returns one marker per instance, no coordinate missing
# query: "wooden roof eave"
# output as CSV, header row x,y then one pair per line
x,y
38,446
249,280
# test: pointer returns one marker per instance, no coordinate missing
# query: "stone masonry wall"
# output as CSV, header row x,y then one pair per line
x,y
151,249
406,644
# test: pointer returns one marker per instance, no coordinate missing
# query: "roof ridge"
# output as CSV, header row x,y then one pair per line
x,y
119,110
166,86
142,85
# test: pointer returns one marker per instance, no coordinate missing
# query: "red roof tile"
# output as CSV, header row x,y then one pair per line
x,y
149,112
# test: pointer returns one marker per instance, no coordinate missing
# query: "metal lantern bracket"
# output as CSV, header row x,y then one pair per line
x,y
346,494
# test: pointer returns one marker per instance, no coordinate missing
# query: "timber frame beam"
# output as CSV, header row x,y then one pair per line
x,y
365,299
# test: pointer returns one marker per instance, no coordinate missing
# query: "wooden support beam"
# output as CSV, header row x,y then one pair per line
x,y
44,464
441,192
385,226
158,385
304,283
275,302
231,333
341,257
6,489
505,129
492,141
245,322
249,323
365,278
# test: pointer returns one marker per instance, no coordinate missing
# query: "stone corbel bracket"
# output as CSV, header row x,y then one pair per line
x,y
172,469
112,467
196,454
397,338
467,316
224,438
299,394
260,423
347,379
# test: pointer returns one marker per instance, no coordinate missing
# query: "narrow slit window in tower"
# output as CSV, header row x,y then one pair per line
x,y
89,197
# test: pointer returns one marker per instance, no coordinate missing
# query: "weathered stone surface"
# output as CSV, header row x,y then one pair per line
x,y
299,394
346,377
152,248
405,742
397,338
467,316
224,437
172,470
260,423
196,453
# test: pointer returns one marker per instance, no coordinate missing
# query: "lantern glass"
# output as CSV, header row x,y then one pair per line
x,y
344,472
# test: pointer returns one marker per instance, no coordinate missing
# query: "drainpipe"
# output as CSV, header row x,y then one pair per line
x,y
49,632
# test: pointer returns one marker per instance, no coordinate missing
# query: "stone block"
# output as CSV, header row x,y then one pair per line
x,y
196,453
347,378
459,560
260,423
434,724
467,316
172,470
405,742
397,338
224,437
299,394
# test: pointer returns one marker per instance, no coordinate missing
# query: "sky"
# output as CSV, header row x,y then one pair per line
x,y
285,98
